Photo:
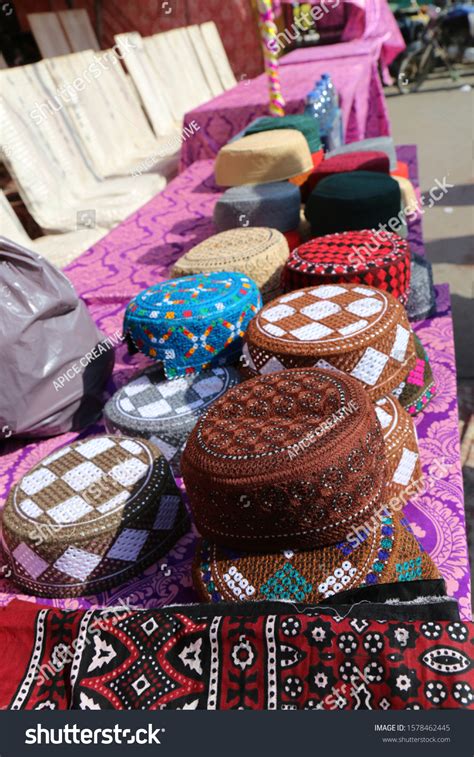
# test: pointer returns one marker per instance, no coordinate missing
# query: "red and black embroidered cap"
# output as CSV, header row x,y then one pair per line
x,y
370,257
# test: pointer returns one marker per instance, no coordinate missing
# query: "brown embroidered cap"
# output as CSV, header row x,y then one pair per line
x,y
357,329
291,459
385,552
259,252
90,516
404,474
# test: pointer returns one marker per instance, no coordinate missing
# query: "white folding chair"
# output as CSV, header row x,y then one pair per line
x,y
109,121
218,54
155,101
60,249
48,34
55,182
207,64
181,43
78,29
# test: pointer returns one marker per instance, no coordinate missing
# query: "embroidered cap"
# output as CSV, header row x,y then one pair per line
x,y
404,473
276,205
259,252
90,516
259,158
291,459
381,260
419,387
192,323
387,552
164,411
357,329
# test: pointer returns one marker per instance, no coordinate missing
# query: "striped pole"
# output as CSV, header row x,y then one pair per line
x,y
268,30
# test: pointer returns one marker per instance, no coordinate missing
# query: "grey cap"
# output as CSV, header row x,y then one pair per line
x,y
276,204
166,411
422,299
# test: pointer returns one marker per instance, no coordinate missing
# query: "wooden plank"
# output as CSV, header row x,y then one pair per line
x,y
49,34
79,30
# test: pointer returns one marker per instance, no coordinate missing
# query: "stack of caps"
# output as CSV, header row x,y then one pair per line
x,y
264,157
307,125
404,474
164,411
377,144
419,387
353,161
378,259
286,476
353,201
90,516
356,329
192,323
276,204
259,252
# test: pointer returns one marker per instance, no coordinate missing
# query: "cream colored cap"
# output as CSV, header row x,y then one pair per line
x,y
260,158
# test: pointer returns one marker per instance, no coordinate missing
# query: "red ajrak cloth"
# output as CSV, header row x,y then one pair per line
x,y
381,260
261,657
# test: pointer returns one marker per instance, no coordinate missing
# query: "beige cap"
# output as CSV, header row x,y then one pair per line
x,y
259,158
257,251
409,198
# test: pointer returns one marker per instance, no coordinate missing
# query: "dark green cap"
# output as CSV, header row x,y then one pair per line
x,y
352,201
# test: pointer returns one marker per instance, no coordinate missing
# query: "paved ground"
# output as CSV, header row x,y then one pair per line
x,y
439,119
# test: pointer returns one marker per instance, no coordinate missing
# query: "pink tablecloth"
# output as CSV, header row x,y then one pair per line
x,y
138,253
355,77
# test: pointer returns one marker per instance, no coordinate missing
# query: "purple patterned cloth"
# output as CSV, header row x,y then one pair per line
x,y
355,77
138,253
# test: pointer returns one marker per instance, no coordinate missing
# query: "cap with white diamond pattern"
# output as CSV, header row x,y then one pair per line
x,y
356,329
165,411
90,516
404,473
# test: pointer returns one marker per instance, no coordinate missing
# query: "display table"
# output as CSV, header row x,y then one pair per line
x,y
139,253
363,104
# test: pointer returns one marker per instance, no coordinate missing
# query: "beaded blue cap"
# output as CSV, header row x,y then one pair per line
x,y
194,322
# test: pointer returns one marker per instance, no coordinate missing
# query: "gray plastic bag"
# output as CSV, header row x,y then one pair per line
x,y
53,359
